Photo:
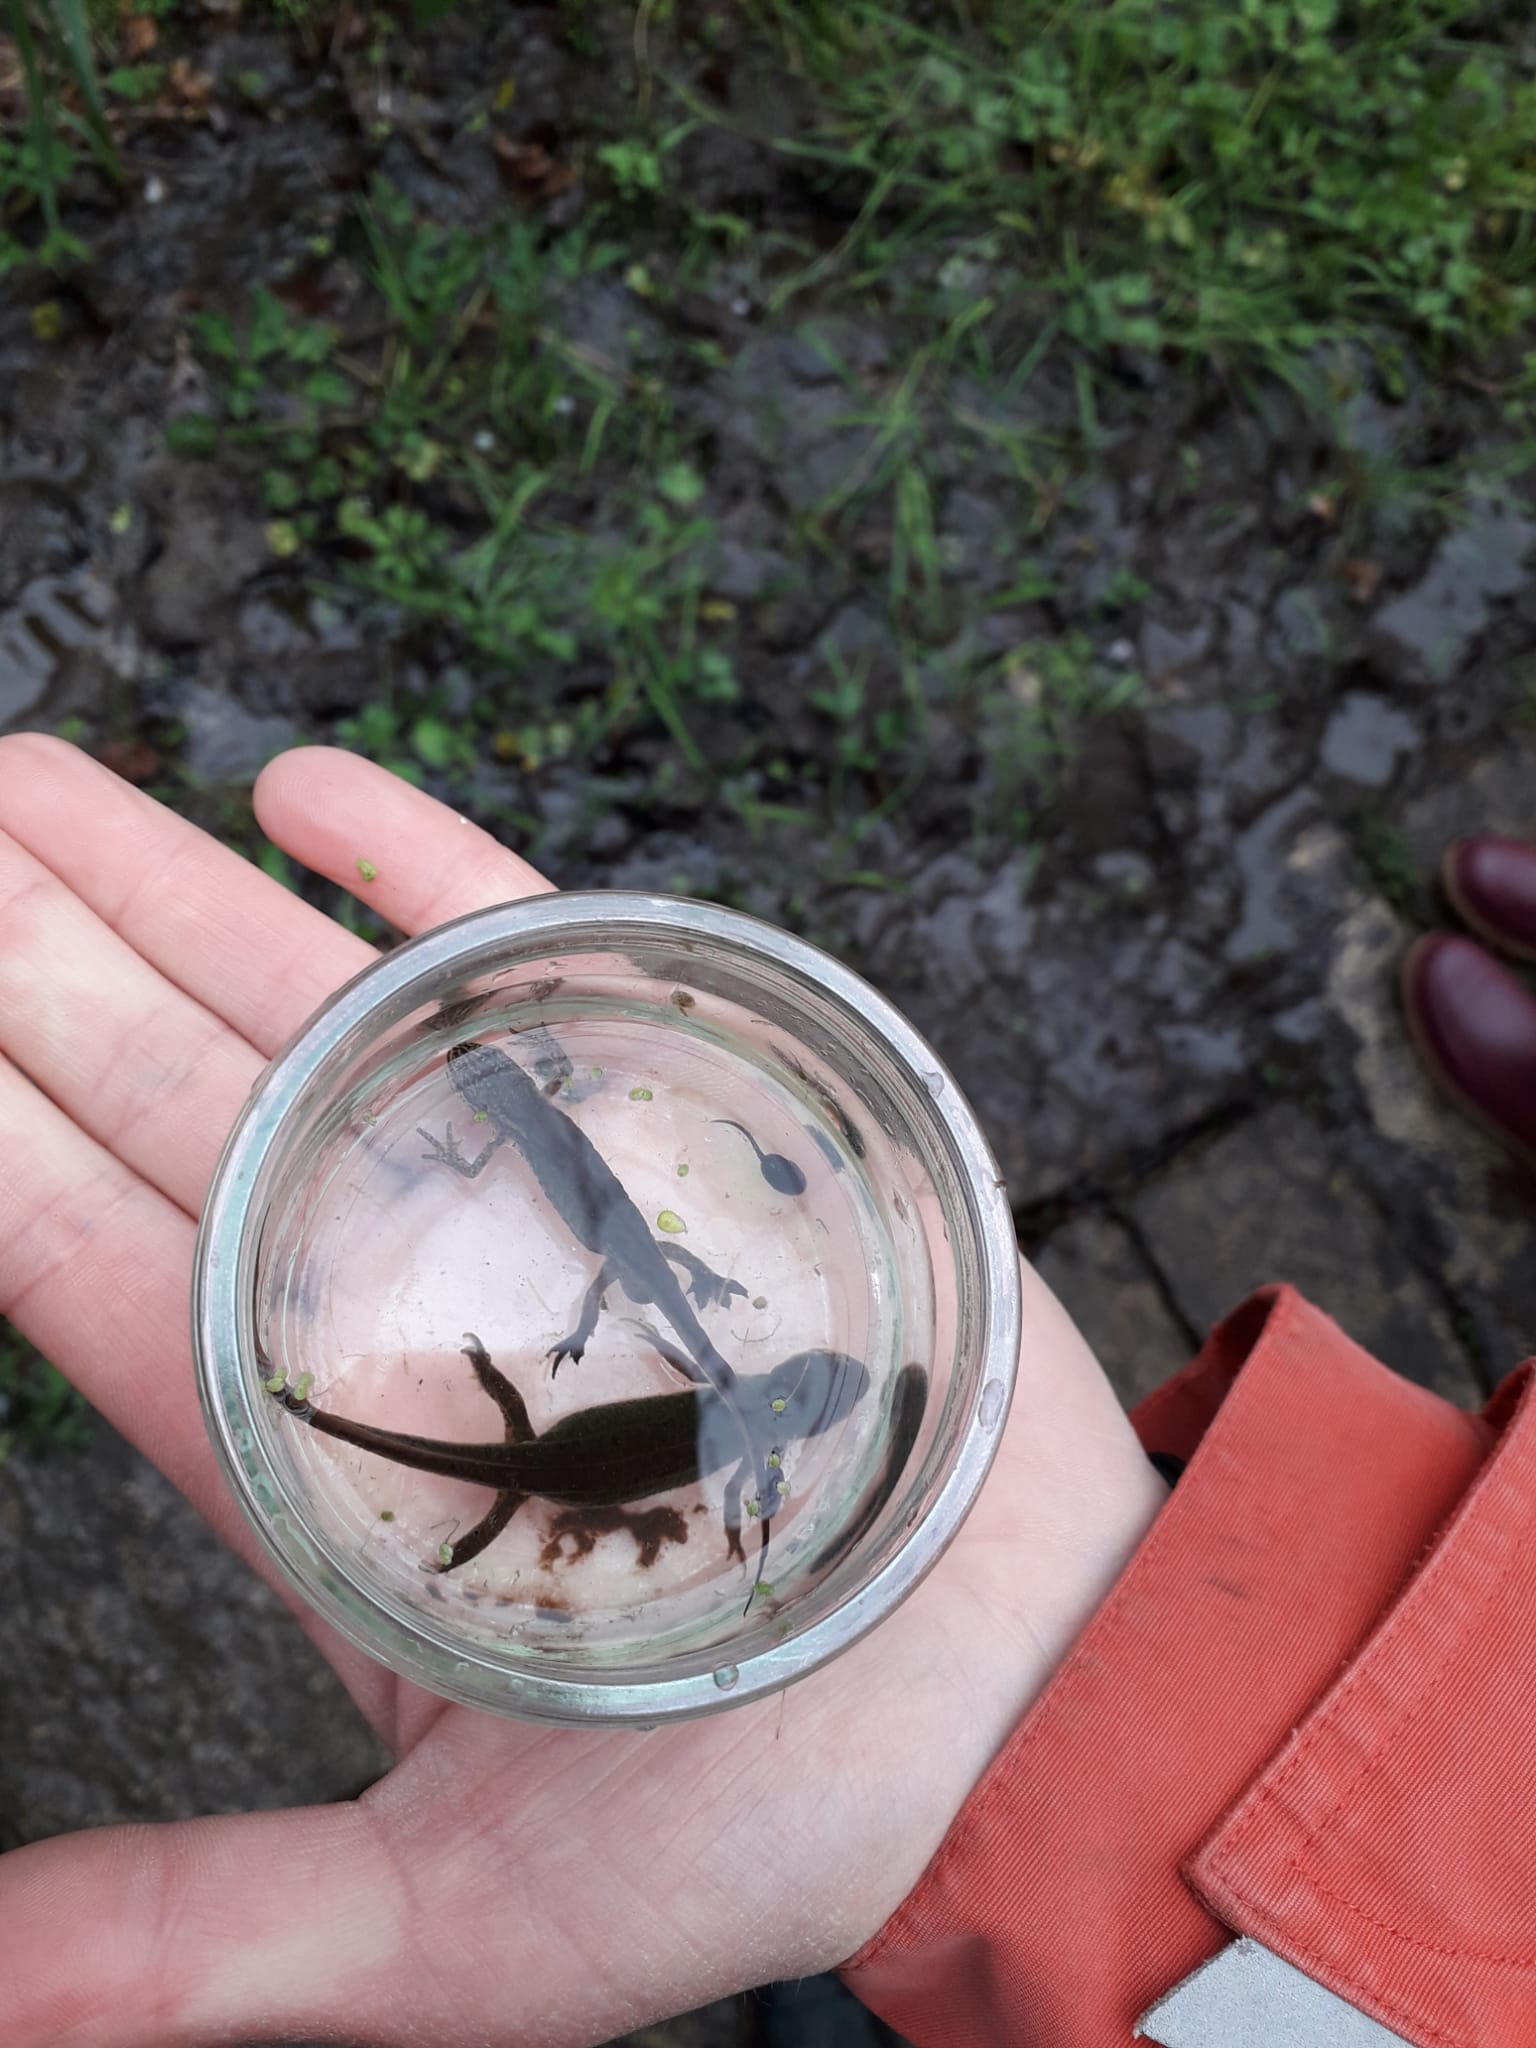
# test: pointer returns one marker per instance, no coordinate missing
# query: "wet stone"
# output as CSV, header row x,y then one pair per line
x,y
224,741
1268,760
212,547
1244,631
122,1607
600,317
268,629
1094,1270
1270,1201
36,538
1186,741
744,574
1172,650
62,637
1048,1014
1496,793
1130,876
1300,1025
1427,634
1265,855
668,864
1106,797
1368,425
859,637
1213,1055
972,518
1300,628
1366,738
850,344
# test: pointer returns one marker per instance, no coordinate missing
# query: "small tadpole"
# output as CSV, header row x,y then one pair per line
x,y
781,1174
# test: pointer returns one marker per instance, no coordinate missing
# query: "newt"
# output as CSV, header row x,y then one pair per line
x,y
829,1102
590,1200
780,1173
908,1404
621,1451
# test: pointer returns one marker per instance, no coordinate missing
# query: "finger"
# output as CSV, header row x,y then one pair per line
x,y
260,1926
80,1234
229,936
95,1269
417,863
406,1917
139,1065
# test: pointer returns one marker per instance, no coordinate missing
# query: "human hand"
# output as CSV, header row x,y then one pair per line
x,y
504,1883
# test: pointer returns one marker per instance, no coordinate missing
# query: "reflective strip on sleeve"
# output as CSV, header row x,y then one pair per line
x,y
1248,1998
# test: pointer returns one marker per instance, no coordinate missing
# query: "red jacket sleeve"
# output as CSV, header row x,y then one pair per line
x,y
1306,1712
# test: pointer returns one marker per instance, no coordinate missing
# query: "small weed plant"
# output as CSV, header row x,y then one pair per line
x,y
1249,176
39,1409
454,474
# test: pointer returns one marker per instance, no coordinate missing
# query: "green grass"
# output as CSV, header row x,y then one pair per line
x,y
39,1409
452,472
54,42
1250,177
1334,194
1388,859
545,512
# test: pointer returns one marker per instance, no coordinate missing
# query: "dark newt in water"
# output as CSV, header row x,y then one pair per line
x,y
908,1405
829,1103
591,1201
621,1451
780,1173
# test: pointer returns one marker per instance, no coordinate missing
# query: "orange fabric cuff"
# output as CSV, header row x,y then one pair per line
x,y
1055,1911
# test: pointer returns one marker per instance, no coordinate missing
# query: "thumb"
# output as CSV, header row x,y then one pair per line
x,y
256,1927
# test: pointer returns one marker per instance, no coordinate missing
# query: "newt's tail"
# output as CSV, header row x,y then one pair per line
x,y
479,1464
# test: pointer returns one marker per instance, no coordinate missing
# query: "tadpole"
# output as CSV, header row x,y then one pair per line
x,y
780,1173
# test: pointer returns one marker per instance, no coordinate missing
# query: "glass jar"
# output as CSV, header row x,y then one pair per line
x,y
682,1252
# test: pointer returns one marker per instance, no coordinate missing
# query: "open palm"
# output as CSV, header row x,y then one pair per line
x,y
503,1883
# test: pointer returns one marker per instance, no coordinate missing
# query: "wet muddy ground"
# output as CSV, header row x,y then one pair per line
x,y
1131,798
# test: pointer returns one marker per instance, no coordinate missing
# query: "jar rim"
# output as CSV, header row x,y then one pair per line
x,y
223,1307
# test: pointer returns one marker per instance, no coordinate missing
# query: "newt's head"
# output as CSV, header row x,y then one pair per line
x,y
471,1049
483,1074
817,1388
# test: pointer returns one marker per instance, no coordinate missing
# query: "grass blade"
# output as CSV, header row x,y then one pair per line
x,y
40,115
70,18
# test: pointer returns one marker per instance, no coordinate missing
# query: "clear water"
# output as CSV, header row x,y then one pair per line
x,y
378,1260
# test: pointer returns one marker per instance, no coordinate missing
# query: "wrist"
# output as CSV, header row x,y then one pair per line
x,y
1069,1499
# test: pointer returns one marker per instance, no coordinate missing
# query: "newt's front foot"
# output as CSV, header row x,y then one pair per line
x,y
706,1288
445,1152
572,1348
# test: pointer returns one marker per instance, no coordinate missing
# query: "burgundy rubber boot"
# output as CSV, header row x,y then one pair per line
x,y
1492,883
1475,1028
